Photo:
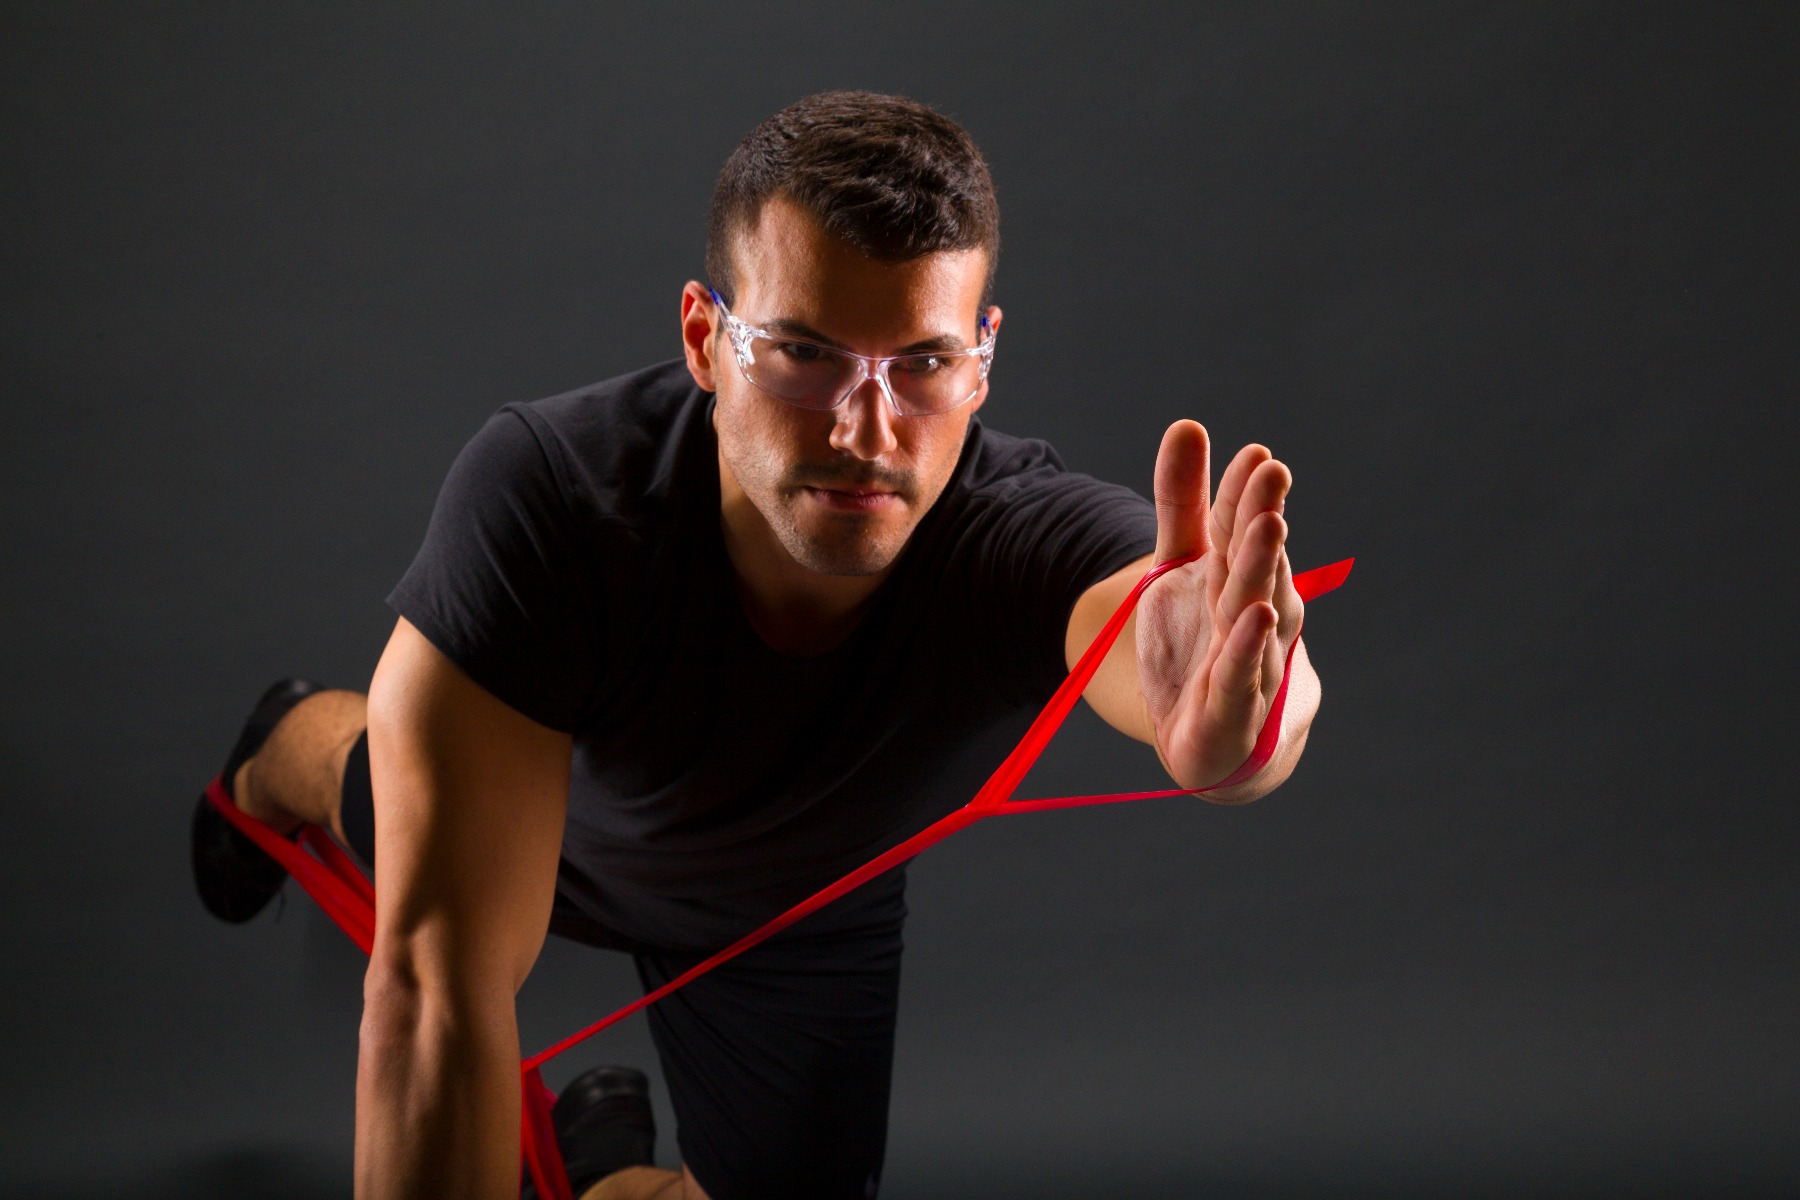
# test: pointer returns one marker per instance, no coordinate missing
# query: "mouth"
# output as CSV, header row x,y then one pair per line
x,y
853,499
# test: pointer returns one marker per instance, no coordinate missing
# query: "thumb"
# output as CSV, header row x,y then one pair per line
x,y
1183,476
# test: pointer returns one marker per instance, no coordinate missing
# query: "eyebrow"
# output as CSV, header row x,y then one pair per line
x,y
788,327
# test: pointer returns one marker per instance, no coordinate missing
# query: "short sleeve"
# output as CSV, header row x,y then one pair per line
x,y
1042,537
499,585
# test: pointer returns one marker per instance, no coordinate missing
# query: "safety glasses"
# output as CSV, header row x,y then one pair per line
x,y
809,375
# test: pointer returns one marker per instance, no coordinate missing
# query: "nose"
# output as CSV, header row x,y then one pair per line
x,y
865,421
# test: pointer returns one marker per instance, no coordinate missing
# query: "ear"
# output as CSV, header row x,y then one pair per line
x,y
699,322
991,328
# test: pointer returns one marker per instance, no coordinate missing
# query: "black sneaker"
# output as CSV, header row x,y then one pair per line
x,y
603,1124
235,877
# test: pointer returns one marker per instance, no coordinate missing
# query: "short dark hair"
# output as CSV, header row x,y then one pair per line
x,y
891,176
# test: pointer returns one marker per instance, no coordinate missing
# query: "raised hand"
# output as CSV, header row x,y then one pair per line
x,y
1212,636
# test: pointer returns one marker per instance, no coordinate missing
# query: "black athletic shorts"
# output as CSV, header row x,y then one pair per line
x,y
778,1062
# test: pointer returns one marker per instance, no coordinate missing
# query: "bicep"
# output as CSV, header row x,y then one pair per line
x,y
1113,691
470,797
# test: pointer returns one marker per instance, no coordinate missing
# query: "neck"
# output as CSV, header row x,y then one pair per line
x,y
796,611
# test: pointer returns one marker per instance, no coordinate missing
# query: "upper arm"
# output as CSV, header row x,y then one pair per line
x,y
470,797
1113,692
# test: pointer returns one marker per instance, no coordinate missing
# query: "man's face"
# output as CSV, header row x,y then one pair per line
x,y
841,490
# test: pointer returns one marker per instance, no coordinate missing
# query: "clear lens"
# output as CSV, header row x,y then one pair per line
x,y
799,372
928,383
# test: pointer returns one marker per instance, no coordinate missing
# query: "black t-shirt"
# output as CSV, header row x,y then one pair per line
x,y
574,567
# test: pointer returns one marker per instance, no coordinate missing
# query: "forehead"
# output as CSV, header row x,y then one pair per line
x,y
789,266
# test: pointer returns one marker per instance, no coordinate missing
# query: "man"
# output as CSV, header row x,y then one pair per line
x,y
684,646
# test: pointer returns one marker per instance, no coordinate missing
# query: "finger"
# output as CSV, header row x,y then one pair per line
x,y
1182,475
1231,491
1265,491
1288,604
1236,692
1254,567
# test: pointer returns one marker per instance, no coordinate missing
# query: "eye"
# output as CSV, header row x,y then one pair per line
x,y
922,364
803,352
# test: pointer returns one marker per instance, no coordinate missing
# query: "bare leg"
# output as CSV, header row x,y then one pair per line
x,y
298,775
646,1183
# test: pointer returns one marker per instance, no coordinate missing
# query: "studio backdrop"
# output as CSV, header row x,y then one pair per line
x,y
1509,287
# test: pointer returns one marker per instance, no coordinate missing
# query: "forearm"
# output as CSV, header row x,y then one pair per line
x,y
437,1093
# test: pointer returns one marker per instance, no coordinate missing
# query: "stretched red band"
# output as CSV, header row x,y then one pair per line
x,y
332,879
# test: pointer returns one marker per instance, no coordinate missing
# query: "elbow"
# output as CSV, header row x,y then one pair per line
x,y
395,1001
392,992
410,1008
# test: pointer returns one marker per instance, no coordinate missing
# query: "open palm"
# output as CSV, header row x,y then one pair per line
x,y
1213,635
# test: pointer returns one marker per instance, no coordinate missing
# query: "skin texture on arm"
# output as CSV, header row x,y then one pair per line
x,y
470,797
1196,669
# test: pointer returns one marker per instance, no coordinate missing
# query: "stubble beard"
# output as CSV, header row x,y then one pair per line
x,y
834,543
841,543
856,551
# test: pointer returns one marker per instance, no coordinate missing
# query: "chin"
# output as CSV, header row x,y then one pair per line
x,y
842,560
841,555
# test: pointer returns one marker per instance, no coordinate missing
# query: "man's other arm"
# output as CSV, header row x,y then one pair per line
x,y
471,797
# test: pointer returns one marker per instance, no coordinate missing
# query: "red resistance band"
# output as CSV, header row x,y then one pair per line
x,y
333,879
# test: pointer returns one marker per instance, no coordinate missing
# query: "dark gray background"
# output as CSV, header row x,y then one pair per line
x,y
1508,286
